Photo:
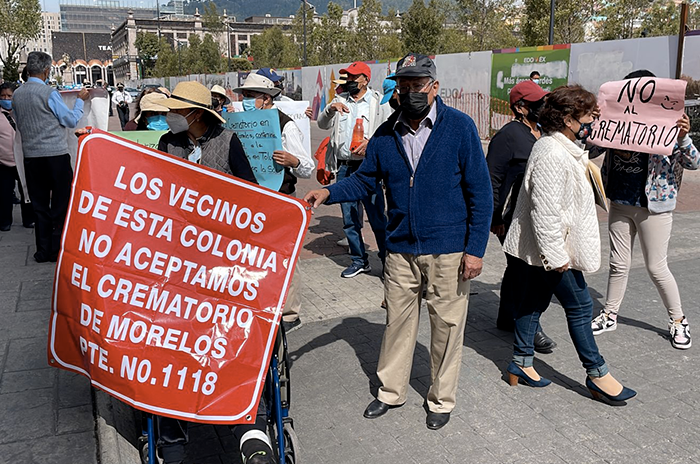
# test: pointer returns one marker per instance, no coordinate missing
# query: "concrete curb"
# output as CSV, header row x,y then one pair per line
x,y
116,427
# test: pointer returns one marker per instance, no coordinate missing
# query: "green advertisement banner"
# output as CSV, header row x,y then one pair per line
x,y
508,67
148,138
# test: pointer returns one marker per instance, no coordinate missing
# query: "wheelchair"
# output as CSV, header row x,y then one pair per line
x,y
277,394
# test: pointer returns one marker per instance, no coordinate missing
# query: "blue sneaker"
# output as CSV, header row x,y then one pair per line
x,y
355,269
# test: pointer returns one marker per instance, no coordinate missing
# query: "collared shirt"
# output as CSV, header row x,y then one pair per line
x,y
293,142
67,118
358,109
414,141
122,96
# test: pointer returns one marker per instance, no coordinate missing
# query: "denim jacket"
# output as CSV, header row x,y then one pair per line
x,y
664,175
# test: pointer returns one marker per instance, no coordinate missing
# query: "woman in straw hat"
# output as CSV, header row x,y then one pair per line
x,y
219,99
196,133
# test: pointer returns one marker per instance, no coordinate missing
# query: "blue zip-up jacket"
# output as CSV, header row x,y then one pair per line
x,y
446,205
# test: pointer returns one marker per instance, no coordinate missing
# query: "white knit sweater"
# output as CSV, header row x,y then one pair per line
x,y
555,219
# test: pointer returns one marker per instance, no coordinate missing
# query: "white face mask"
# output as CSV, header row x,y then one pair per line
x,y
195,155
177,122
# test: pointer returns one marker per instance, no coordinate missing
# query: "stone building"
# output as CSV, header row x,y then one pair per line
x,y
177,32
81,57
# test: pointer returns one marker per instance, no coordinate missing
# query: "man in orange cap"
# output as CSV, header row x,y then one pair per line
x,y
357,103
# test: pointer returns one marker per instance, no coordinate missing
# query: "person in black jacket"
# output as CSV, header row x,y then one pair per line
x,y
507,157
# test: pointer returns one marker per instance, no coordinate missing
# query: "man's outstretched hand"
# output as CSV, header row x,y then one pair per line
x,y
317,197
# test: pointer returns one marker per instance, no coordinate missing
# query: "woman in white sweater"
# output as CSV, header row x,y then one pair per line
x,y
555,232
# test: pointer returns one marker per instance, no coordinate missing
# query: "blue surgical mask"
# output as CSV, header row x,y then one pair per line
x,y
6,104
157,123
536,81
249,104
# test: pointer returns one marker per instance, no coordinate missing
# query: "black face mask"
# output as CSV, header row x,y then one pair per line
x,y
534,111
415,105
394,103
584,131
351,87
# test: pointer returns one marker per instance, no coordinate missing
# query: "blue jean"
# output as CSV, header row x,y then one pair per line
x,y
352,219
572,292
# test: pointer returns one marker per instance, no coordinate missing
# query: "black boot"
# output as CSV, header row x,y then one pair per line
x,y
544,344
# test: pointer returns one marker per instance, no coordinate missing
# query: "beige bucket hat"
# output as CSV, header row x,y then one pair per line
x,y
191,94
257,83
152,102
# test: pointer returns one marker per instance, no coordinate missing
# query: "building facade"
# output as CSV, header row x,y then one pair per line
x,y
177,32
50,23
82,57
98,15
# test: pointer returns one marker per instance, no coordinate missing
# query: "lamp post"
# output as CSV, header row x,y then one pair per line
x,y
228,41
158,17
303,15
551,22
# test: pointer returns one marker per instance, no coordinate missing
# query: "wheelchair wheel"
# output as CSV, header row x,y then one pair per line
x,y
291,444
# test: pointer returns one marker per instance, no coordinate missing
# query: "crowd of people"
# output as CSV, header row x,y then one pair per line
x,y
417,168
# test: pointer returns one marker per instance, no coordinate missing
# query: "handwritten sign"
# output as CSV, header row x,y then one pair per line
x,y
260,134
295,110
171,281
147,138
639,115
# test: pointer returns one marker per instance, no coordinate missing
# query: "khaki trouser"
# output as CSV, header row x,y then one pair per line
x,y
447,299
292,305
654,230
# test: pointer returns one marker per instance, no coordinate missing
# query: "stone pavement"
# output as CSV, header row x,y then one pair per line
x,y
46,414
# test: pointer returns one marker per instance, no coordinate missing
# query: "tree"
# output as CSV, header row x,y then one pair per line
x,y
169,60
211,19
148,47
489,23
328,42
211,55
367,31
274,49
20,21
662,18
298,37
569,22
620,18
237,64
421,28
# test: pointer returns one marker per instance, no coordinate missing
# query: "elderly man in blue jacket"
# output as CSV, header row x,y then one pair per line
x,y
440,203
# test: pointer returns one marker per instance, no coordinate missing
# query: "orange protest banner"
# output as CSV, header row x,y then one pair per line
x,y
171,281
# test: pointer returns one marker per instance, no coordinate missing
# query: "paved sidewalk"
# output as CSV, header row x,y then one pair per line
x,y
46,414
335,355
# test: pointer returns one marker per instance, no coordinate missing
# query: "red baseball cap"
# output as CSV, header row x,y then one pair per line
x,y
528,91
358,67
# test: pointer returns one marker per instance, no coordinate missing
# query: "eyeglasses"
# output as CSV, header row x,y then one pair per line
x,y
414,88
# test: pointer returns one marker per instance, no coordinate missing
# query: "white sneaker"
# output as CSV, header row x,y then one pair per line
x,y
343,242
604,322
680,334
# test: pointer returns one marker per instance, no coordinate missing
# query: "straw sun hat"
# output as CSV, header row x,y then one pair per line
x,y
152,102
191,94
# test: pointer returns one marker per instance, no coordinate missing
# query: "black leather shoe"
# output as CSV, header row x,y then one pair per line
x,y
544,344
5,228
377,409
437,420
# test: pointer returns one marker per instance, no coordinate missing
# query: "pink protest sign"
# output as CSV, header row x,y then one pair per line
x,y
639,115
